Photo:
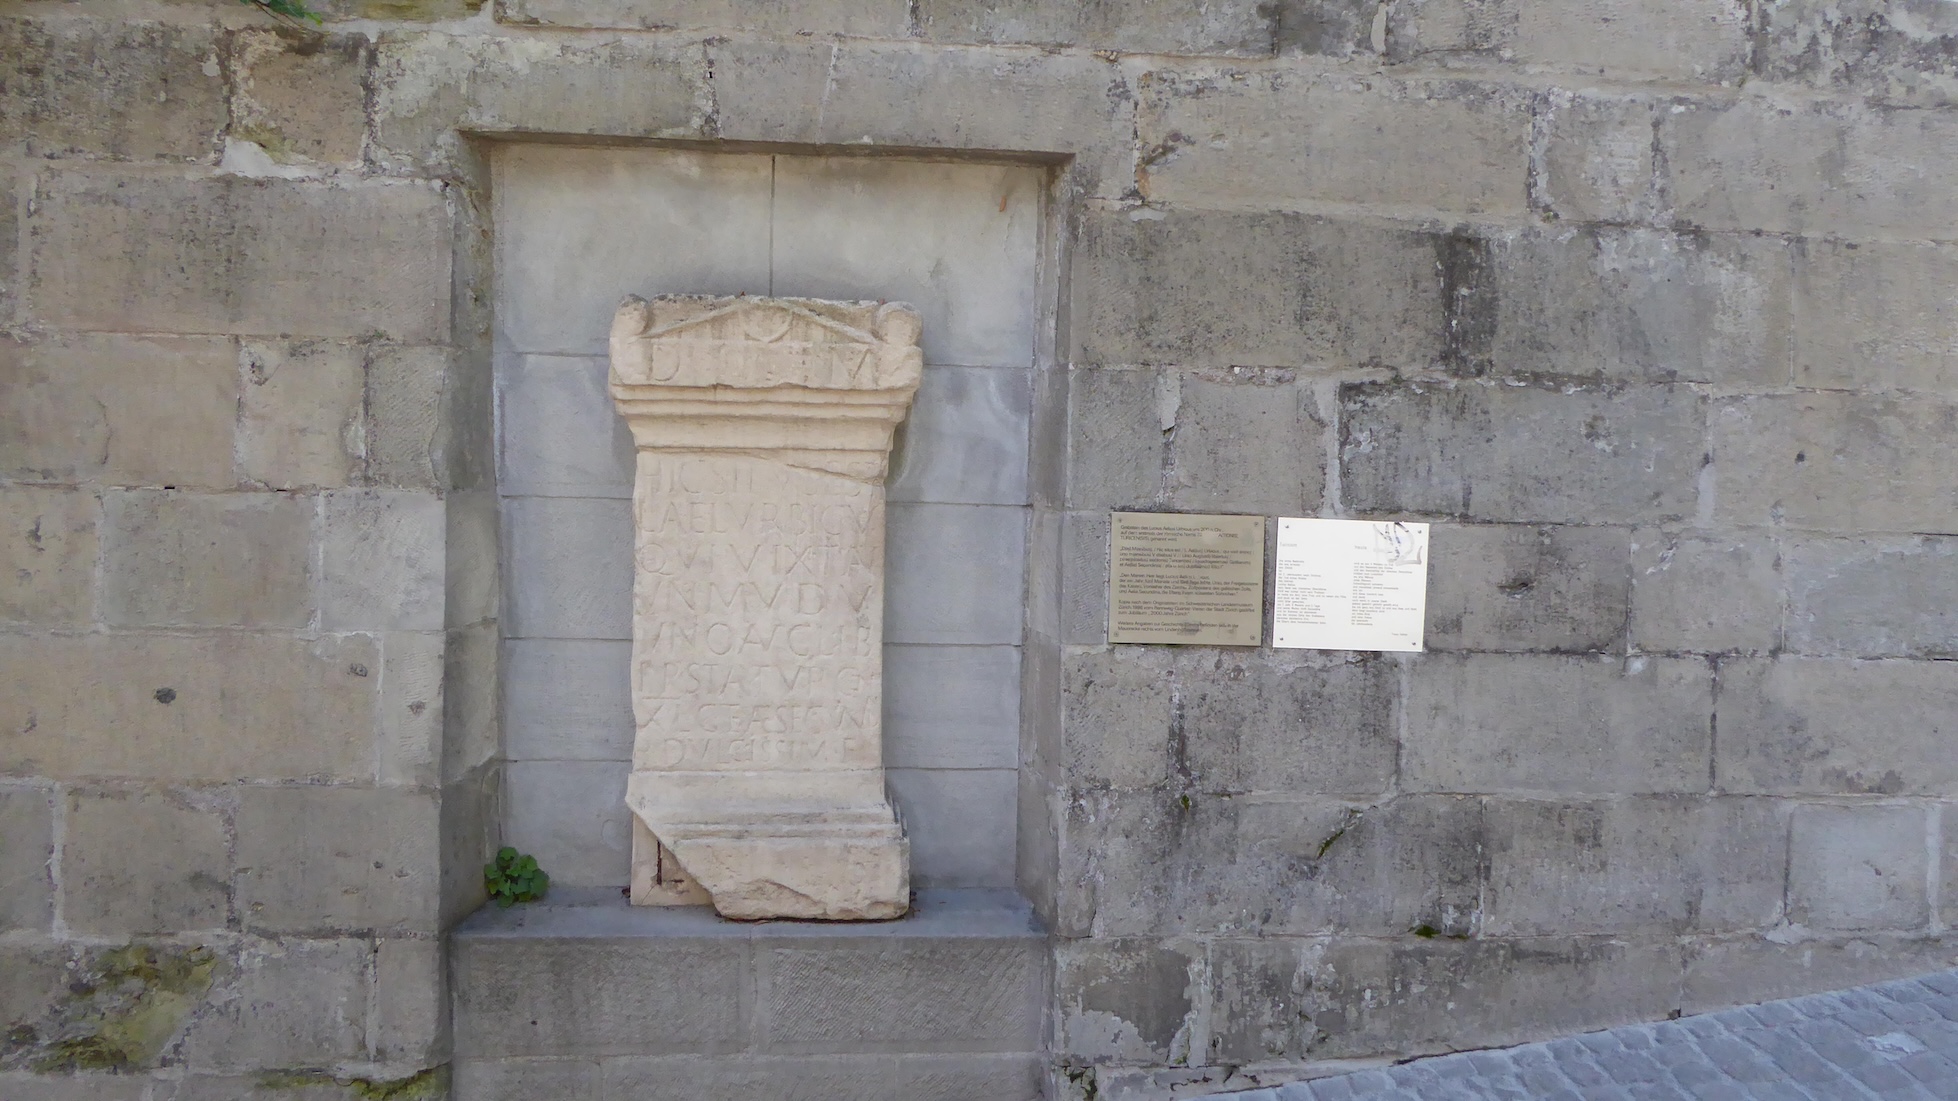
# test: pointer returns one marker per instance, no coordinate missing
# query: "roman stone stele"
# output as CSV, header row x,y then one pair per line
x,y
763,428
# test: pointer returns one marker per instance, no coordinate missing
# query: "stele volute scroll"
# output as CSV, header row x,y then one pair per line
x,y
763,428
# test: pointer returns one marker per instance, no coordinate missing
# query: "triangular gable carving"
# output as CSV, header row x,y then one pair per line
x,y
764,321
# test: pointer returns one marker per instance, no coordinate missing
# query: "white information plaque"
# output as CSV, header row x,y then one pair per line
x,y
1350,585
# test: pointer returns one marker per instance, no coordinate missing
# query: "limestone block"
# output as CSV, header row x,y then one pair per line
x,y
876,18
568,699
177,708
571,815
1561,454
11,185
587,996
47,555
134,91
1948,849
568,572
1856,868
161,254
473,566
1515,587
472,727
1652,864
1833,727
1119,422
381,560
26,888
1116,717
957,574
181,559
1871,318
731,1078
967,438
316,859
22,1086
1248,440
952,819
1896,52
1250,139
1257,991
764,428
1705,592
1873,597
1741,971
571,231
970,993
1205,288
300,409
1239,27
411,709
1643,306
517,1079
1834,462
290,1003
405,436
126,410
139,862
300,98
1131,1000
1285,721
561,436
1599,157
1483,722
1084,578
1698,40
955,1077
952,707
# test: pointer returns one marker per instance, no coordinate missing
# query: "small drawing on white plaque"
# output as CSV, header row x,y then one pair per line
x,y
1350,585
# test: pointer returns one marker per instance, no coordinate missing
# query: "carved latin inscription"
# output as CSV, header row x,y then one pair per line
x,y
763,428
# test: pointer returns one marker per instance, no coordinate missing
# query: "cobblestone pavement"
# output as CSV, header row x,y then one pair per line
x,y
1892,1041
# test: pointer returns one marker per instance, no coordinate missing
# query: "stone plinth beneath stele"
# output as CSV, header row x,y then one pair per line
x,y
763,429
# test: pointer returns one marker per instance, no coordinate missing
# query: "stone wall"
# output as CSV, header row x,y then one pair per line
x,y
1644,304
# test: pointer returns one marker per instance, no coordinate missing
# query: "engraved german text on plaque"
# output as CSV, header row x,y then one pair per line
x,y
1195,580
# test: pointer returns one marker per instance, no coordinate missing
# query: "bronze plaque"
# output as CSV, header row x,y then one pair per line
x,y
1196,580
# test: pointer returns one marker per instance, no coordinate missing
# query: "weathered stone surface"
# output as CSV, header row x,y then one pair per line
x,y
1814,726
1116,717
1701,40
300,413
408,430
1204,288
47,556
301,98
1119,422
1899,52
565,571
874,18
1084,578
1856,868
955,1077
568,699
1125,999
1246,441
26,887
11,185
381,560
1248,139
471,733
1281,721
954,707
1257,996
966,440
1705,593
1522,452
181,559
953,819
956,574
411,741
1131,26
1657,864
126,410
79,1087
975,993
1870,317
1512,587
1873,597
1481,722
1737,971
314,860
571,815
1600,157
158,254
170,707
291,1003
1835,462
135,862
132,91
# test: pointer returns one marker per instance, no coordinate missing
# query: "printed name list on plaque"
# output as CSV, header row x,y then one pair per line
x,y
1197,580
1350,585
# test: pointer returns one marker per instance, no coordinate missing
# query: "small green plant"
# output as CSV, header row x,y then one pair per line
x,y
292,11
514,877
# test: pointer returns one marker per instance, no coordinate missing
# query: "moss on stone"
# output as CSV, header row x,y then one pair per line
x,y
120,1008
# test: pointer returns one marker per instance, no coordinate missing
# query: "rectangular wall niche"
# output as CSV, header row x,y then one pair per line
x,y
576,230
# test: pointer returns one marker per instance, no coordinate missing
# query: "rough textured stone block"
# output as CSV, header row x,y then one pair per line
x,y
1283,721
114,89
296,1003
974,993
1645,864
11,185
568,699
336,859
966,439
1705,593
1700,40
301,98
688,1077
519,1079
411,1012
1870,317
471,734
875,18
1854,868
1286,137
568,568
952,706
166,707
1256,1001
1642,305
1528,588
1116,717
381,561
952,818
144,863
1238,27
405,437
1838,727
300,413
1246,441
1739,971
180,559
600,996
473,580
127,410
1837,462
1118,426
1873,597
156,254
1899,53
413,687
26,888
1615,726
571,816
23,1086
1599,161
1127,1000
1210,288
1948,903
1530,453
955,573
962,1077
47,555
1084,578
